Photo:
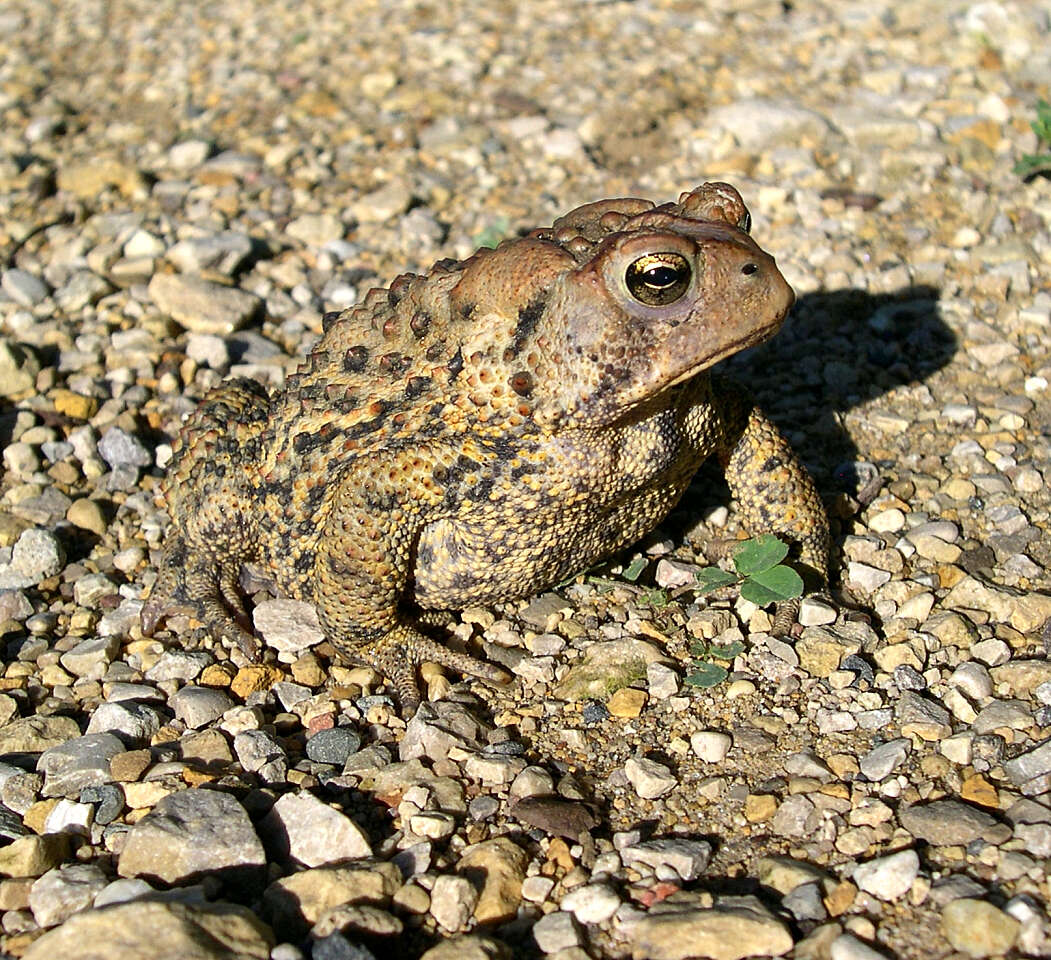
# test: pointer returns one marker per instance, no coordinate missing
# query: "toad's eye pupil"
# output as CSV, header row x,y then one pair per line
x,y
661,276
658,279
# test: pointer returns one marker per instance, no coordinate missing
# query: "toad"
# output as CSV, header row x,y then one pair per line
x,y
482,431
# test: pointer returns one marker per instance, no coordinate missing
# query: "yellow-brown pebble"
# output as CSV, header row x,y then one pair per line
x,y
129,766
37,814
840,898
196,778
978,790
75,405
87,515
308,671
256,677
759,807
218,675
627,702
149,794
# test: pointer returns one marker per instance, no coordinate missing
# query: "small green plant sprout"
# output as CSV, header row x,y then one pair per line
x,y
655,597
634,569
706,673
763,578
1033,163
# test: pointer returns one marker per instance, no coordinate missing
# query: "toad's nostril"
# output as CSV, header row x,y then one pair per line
x,y
749,268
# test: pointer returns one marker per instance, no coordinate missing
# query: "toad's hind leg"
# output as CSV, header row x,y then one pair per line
x,y
401,650
213,513
361,575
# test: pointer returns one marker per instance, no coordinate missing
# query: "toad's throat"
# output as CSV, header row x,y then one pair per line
x,y
751,339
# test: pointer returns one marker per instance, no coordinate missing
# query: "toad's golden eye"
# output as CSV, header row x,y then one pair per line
x,y
658,279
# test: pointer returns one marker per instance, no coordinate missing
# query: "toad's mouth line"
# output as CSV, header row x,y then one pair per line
x,y
751,339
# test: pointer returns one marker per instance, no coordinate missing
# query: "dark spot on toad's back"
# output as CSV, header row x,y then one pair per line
x,y
455,364
420,323
527,320
415,386
394,364
355,358
522,383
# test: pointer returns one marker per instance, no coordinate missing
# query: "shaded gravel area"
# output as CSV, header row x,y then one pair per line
x,y
186,188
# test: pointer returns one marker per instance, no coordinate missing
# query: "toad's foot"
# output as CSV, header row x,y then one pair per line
x,y
217,622
209,590
400,652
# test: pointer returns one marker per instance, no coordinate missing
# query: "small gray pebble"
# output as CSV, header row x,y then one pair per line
x,y
884,759
57,450
482,808
805,902
113,834
118,447
337,947
134,722
110,800
594,712
860,667
197,706
1027,765
26,650
11,826
182,665
989,748
333,746
37,555
24,288
124,476
505,748
909,678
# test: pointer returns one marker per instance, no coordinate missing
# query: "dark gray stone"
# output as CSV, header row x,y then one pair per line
x,y
333,746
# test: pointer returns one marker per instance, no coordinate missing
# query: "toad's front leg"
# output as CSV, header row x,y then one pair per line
x,y
772,490
362,571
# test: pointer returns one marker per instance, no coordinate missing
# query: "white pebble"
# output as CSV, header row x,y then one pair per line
x,y
957,749
68,816
649,778
847,947
662,681
815,613
1028,480
433,824
888,521
866,578
973,679
711,745
453,901
591,903
888,878
993,652
536,889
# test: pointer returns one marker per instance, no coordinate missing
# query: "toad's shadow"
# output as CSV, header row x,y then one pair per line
x,y
837,350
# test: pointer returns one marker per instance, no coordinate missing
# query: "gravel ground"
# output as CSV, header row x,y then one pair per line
x,y
186,188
